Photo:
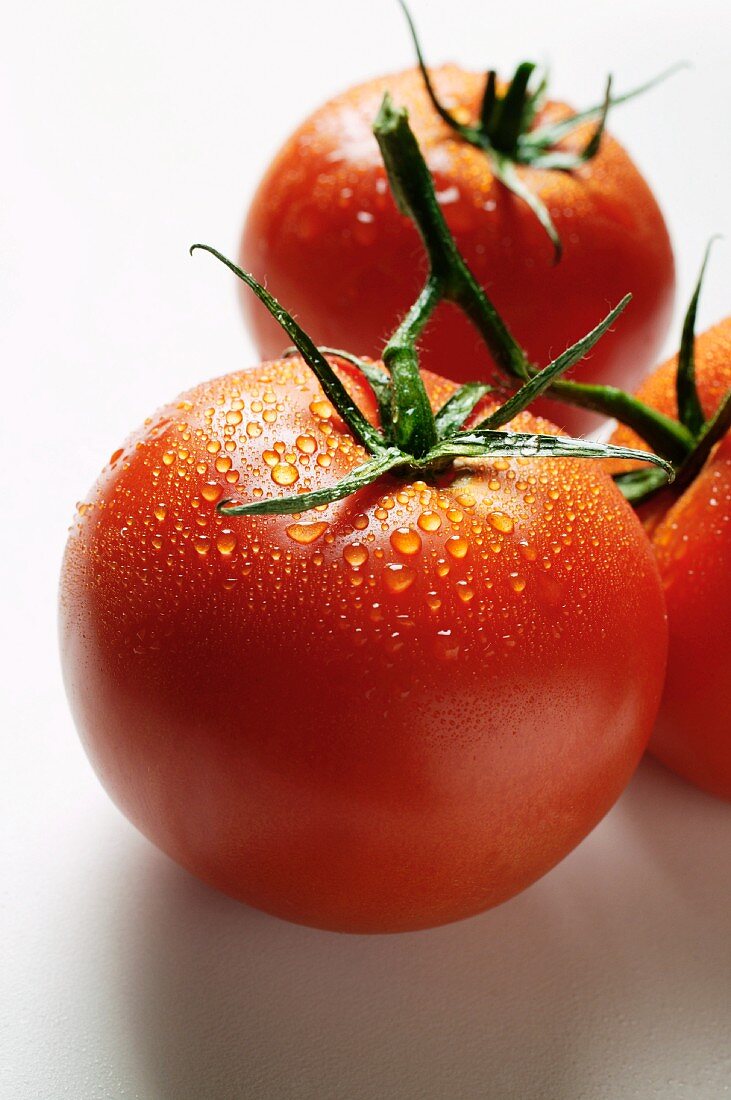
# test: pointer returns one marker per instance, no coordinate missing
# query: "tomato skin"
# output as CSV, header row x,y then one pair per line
x,y
341,731
325,235
691,537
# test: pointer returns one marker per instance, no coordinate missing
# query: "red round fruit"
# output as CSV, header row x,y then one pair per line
x,y
324,233
386,714
691,537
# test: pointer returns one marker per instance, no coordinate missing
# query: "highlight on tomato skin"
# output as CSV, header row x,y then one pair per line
x,y
324,231
690,532
387,714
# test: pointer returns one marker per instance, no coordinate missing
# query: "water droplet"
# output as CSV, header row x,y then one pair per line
x,y
305,533
211,491
517,583
500,522
116,456
429,521
433,601
226,542
234,417
202,545
160,511
457,547
322,409
223,464
406,541
306,444
399,577
446,647
464,591
284,474
355,554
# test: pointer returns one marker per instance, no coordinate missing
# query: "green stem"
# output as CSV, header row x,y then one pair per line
x,y
413,190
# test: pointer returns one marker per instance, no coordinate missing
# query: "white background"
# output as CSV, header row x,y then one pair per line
x,y
130,130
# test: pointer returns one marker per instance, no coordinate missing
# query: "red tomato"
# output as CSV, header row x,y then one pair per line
x,y
691,537
386,714
324,234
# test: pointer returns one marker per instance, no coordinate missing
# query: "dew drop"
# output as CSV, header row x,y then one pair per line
x,y
223,464
457,547
355,554
500,522
464,591
517,583
322,409
399,577
406,541
211,491
305,533
160,511
429,521
284,474
226,542
306,444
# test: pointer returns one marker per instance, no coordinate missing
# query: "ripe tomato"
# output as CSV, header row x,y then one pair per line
x,y
691,537
324,233
382,715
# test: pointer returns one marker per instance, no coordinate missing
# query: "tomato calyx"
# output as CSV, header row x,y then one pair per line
x,y
505,133
412,439
703,432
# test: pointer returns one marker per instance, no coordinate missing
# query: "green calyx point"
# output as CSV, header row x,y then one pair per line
x,y
505,129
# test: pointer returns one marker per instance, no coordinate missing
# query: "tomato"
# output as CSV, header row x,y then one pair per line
x,y
324,233
386,714
691,537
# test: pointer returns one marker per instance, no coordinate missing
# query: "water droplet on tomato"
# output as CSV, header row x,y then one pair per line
x,y
457,547
226,542
284,474
355,554
398,577
405,541
500,522
429,521
305,533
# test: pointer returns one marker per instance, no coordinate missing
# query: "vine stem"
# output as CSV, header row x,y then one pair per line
x,y
452,280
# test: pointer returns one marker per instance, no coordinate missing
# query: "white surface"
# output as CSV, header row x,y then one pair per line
x,y
131,130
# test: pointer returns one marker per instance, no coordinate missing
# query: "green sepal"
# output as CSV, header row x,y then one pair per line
x,y
712,433
483,442
333,388
503,168
377,379
540,382
509,111
565,161
552,133
455,410
690,412
637,486
286,506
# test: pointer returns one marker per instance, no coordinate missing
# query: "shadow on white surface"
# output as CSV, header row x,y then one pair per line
x,y
609,978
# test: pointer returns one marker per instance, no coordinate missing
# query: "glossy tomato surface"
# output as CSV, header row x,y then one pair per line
x,y
691,536
325,235
387,714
